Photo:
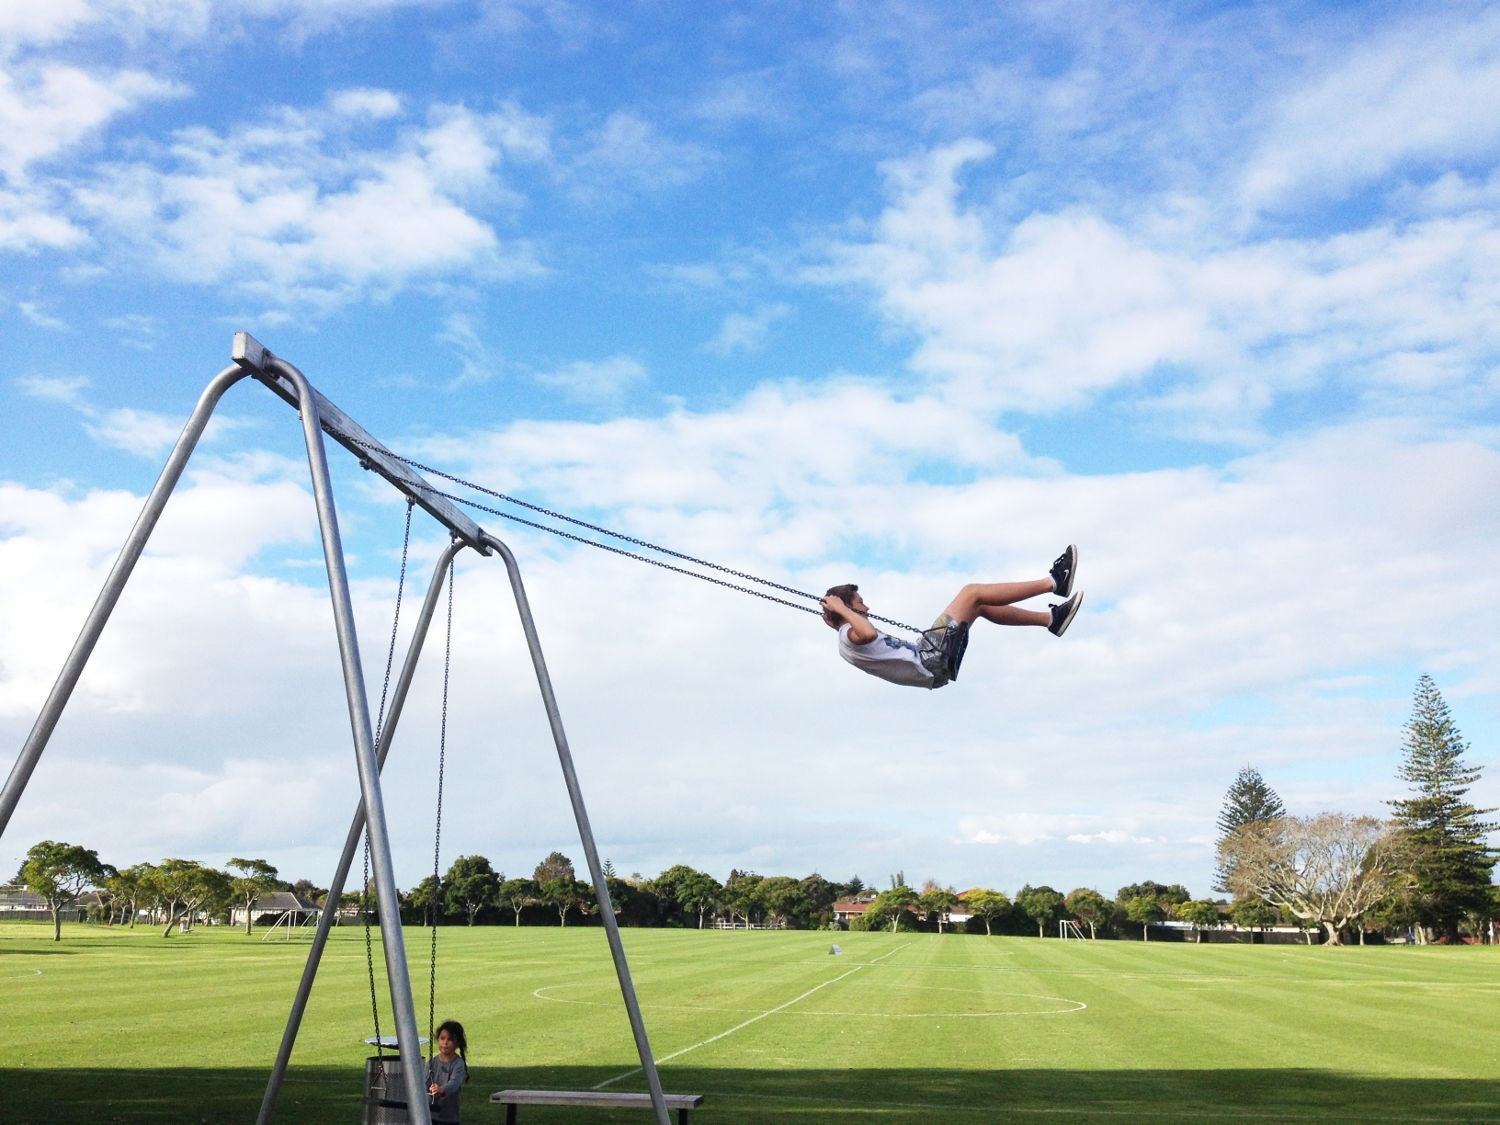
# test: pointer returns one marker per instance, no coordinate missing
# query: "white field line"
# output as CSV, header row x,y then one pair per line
x,y
746,1023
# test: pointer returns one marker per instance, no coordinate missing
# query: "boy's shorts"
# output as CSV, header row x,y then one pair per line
x,y
941,649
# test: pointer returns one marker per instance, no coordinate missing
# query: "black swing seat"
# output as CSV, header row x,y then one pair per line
x,y
598,1099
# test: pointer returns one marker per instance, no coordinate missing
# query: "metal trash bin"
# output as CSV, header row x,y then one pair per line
x,y
385,1094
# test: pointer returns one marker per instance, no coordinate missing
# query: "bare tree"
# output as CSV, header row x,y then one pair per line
x,y
1330,869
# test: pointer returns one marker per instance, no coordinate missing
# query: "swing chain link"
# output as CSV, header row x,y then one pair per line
x,y
348,438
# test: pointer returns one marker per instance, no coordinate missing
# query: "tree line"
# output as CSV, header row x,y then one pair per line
x,y
1426,869
177,893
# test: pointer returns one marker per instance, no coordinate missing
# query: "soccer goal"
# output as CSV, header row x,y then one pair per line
x,y
1068,928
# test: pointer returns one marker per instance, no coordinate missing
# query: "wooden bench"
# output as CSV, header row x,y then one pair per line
x,y
601,1099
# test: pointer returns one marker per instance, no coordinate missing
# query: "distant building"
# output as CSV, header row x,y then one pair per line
x,y
846,908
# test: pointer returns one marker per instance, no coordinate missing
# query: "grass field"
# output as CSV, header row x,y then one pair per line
x,y
119,1025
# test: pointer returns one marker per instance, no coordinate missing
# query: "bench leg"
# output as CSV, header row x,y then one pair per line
x,y
682,1116
510,1114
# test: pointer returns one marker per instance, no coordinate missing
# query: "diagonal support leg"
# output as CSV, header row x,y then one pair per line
x,y
585,833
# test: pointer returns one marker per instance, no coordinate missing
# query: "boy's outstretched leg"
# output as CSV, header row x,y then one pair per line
x,y
994,601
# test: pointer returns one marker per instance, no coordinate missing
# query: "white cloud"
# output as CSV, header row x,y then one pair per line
x,y
476,363
747,332
67,391
142,432
34,314
595,382
628,155
1058,308
49,109
29,222
366,101
1419,93
41,21
278,210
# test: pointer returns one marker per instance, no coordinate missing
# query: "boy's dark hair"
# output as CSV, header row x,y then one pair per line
x,y
845,594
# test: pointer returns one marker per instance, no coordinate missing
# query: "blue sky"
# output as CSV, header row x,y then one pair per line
x,y
908,294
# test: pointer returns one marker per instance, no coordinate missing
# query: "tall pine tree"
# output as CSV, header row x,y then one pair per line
x,y
1451,862
1249,799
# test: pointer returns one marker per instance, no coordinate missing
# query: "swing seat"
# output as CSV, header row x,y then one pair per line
x,y
597,1099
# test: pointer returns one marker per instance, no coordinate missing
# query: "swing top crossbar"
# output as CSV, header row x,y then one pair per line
x,y
251,355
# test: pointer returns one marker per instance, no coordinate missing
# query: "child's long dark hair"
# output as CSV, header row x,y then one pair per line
x,y
456,1032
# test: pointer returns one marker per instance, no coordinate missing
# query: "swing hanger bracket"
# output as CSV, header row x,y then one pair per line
x,y
253,356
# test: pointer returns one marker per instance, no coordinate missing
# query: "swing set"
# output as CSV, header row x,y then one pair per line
x,y
372,740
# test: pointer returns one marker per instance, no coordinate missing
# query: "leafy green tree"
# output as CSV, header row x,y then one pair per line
x,y
780,898
1143,910
1451,863
563,893
937,902
740,895
127,890
517,894
1042,905
893,906
58,873
426,898
256,877
1089,907
1167,896
987,905
184,887
634,900
1199,913
555,866
1253,913
689,889
469,885
309,891
1249,799
818,897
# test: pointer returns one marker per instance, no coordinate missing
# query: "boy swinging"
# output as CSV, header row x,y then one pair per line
x,y
934,660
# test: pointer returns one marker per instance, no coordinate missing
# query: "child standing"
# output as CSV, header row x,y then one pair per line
x,y
447,1071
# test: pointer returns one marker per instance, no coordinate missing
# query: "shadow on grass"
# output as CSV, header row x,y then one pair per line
x,y
316,1095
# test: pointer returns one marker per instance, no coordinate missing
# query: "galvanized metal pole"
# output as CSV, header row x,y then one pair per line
x,y
104,605
351,841
412,1068
585,833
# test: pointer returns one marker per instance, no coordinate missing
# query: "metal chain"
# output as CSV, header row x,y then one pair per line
x,y
364,893
613,534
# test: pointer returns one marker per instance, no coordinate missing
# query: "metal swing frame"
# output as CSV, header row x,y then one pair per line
x,y
251,359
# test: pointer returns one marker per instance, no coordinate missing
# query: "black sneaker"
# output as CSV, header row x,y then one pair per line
x,y
1063,570
1062,615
